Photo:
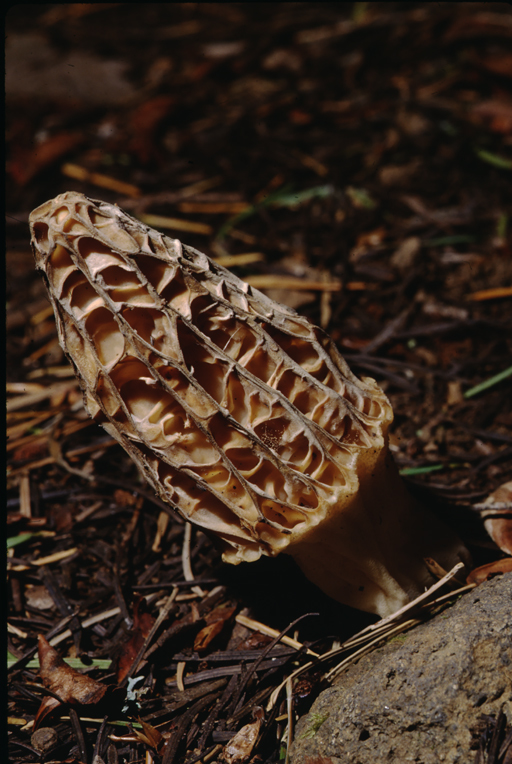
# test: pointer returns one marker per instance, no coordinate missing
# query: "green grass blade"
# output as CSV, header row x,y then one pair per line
x,y
283,197
100,663
422,470
15,540
488,383
495,159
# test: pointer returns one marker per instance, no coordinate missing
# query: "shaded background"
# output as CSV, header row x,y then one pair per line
x,y
353,159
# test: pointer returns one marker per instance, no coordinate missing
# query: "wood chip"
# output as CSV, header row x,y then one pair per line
x,y
491,294
176,224
269,281
100,180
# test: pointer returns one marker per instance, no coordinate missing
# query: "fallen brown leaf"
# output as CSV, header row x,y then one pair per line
x,y
31,451
47,707
500,63
497,113
26,166
145,120
207,635
214,624
255,641
71,686
484,572
481,24
150,735
497,513
240,746
142,625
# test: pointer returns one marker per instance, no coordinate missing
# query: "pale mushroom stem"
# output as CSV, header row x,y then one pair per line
x,y
369,553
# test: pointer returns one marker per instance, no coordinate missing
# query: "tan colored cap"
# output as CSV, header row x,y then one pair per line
x,y
240,413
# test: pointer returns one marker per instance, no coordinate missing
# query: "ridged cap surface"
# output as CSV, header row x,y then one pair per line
x,y
240,413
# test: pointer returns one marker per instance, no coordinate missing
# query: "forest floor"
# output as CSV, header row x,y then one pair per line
x,y
354,160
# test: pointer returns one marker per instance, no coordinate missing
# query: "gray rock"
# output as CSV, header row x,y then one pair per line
x,y
416,698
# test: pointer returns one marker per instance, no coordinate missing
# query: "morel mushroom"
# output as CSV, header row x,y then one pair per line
x,y
239,412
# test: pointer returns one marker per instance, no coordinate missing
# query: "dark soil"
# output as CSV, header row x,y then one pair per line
x,y
365,148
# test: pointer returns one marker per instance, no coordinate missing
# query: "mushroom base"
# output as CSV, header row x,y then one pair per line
x,y
369,553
